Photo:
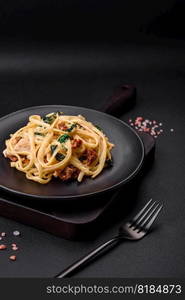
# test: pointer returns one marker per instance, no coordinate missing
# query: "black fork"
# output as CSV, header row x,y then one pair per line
x,y
133,230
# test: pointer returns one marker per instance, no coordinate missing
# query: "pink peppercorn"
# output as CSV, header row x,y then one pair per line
x,y
12,257
146,125
3,247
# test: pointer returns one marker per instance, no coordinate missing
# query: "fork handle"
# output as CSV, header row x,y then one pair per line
x,y
85,259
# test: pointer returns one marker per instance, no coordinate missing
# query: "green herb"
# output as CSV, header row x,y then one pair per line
x,y
82,158
59,113
38,133
109,163
98,127
59,156
72,127
79,125
49,119
53,147
63,138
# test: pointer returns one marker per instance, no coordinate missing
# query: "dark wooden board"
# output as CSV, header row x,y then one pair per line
x,y
85,218
63,221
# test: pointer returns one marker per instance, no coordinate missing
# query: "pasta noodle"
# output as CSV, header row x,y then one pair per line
x,y
68,147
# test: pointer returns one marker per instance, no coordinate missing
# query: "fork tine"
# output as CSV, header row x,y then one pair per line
x,y
147,224
147,216
142,213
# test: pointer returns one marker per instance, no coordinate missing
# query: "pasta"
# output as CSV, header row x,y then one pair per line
x,y
68,147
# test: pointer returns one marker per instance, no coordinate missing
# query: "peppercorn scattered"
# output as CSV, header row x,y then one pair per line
x,y
16,233
12,257
3,247
145,125
15,247
11,247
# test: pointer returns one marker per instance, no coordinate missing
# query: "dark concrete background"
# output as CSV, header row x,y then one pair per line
x,y
90,19
37,67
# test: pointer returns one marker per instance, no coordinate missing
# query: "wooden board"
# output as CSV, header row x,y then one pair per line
x,y
76,222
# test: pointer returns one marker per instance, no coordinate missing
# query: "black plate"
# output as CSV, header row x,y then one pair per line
x,y
128,156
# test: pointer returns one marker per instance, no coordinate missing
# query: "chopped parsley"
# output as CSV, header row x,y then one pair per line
x,y
50,119
82,158
71,128
109,163
39,133
53,147
59,156
63,138
98,127
59,113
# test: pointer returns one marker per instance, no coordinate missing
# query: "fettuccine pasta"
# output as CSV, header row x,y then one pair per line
x,y
68,147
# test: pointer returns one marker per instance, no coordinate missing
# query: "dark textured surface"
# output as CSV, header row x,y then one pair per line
x,y
85,76
92,19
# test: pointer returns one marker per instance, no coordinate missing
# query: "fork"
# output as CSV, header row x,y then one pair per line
x,y
134,230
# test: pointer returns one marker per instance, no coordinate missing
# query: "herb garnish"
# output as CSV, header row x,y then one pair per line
x,y
98,127
59,156
59,113
53,147
109,163
63,138
39,133
82,158
71,128
50,119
